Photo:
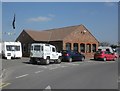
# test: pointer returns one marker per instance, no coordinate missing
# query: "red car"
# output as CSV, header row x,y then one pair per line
x,y
105,56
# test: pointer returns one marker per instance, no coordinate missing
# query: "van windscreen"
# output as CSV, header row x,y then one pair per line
x,y
37,48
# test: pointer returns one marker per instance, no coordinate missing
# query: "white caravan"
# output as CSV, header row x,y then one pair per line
x,y
44,53
11,50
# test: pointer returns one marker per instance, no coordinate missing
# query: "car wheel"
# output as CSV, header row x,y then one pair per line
x,y
95,58
104,59
83,58
70,60
115,59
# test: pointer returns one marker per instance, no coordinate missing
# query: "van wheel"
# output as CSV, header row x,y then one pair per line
x,y
104,59
47,61
58,60
33,61
70,60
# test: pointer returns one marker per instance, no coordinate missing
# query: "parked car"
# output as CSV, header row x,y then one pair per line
x,y
105,56
72,56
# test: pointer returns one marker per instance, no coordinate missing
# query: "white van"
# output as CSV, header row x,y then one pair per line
x,y
44,53
11,50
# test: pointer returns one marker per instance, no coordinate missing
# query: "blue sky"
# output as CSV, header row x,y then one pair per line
x,y
100,18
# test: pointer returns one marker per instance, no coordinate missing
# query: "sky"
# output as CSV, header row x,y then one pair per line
x,y
100,18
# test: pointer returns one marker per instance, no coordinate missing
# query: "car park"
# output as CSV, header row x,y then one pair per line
x,y
72,56
105,56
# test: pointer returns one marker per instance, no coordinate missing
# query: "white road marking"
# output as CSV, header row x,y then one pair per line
x,y
75,64
63,66
22,76
2,73
58,64
42,67
72,64
29,65
2,85
48,88
53,68
38,71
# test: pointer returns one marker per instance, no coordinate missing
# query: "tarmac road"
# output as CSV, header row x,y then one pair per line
x,y
89,74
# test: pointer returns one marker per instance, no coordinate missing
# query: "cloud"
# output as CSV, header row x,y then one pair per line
x,y
51,15
40,19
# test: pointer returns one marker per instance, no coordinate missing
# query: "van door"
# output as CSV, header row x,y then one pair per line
x,y
54,54
37,51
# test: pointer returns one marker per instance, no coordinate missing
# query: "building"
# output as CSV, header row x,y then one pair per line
x,y
67,38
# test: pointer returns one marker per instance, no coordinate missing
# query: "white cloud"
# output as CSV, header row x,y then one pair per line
x,y
40,19
51,15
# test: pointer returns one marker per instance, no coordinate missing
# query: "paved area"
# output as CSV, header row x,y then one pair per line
x,y
90,74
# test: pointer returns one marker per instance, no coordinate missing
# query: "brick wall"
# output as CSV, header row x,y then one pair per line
x,y
81,36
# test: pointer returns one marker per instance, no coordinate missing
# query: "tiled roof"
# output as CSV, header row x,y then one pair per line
x,y
57,34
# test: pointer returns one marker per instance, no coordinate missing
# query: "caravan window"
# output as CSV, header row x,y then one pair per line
x,y
37,47
10,47
17,48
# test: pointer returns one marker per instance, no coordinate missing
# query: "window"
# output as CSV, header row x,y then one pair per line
x,y
10,47
68,46
37,47
94,47
17,48
24,48
82,48
53,50
75,46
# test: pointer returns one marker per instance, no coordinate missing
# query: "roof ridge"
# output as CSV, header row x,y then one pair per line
x,y
52,28
61,27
